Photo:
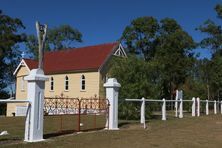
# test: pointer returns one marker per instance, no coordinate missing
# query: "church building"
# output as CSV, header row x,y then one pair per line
x,y
73,73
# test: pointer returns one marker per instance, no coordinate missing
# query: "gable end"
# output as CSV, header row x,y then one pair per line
x,y
22,63
120,51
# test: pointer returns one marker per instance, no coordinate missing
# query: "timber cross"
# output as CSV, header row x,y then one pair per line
x,y
41,33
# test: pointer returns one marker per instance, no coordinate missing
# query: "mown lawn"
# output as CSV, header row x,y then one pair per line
x,y
189,132
53,126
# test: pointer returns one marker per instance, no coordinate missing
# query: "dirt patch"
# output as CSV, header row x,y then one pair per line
x,y
219,122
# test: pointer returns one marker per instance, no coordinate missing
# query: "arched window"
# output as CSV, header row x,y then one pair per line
x,y
22,84
66,83
83,83
51,84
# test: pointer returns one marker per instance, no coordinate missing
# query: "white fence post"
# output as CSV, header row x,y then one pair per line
x,y
221,107
193,107
176,104
207,107
181,108
112,92
142,111
164,109
198,106
215,107
34,119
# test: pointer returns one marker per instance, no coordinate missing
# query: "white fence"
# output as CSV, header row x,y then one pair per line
x,y
24,111
20,110
195,107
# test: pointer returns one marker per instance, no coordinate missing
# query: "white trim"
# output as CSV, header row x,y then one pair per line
x,y
14,101
120,51
22,63
121,46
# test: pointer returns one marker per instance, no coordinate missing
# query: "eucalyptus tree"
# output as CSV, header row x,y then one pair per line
x,y
58,38
164,44
140,36
174,55
10,37
213,42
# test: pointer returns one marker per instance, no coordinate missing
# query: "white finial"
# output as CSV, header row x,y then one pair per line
x,y
23,55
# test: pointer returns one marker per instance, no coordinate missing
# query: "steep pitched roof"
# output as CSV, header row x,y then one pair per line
x,y
75,59
31,63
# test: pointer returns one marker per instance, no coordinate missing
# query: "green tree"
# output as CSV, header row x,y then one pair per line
x,y
9,39
216,76
163,44
140,36
198,81
213,41
12,62
58,38
136,79
174,55
218,9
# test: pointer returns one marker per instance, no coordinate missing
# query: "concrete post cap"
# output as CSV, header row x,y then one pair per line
x,y
36,74
112,82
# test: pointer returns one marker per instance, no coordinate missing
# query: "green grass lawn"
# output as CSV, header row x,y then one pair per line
x,y
53,126
189,132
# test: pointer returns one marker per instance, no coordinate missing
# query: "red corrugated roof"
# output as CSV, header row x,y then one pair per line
x,y
75,59
31,63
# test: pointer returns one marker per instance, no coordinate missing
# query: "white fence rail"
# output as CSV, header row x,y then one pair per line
x,y
195,107
20,110
13,101
4,101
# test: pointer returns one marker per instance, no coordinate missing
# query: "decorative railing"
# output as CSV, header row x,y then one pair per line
x,y
91,108
56,106
59,106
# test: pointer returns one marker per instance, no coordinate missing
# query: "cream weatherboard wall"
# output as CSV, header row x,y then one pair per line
x,y
74,79
92,87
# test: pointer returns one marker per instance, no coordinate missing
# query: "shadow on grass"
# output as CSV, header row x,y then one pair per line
x,y
154,117
127,123
122,124
66,132
60,133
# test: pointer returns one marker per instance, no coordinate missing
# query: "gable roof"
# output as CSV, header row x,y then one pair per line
x,y
75,59
32,64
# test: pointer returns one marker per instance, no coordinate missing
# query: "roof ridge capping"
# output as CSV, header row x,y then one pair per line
x,y
34,60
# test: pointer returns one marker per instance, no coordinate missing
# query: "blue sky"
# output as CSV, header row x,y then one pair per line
x,y
102,21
